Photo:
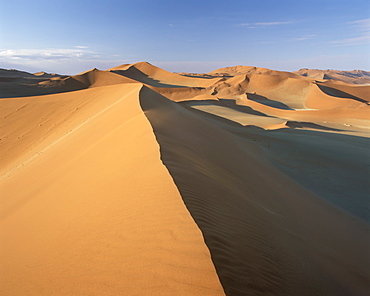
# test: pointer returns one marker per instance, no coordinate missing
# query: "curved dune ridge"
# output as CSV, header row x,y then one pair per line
x,y
138,181
97,212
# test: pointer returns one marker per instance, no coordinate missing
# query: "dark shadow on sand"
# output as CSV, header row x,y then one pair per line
x,y
266,101
140,76
338,93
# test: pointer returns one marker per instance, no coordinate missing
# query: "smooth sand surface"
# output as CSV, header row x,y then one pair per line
x,y
138,181
94,211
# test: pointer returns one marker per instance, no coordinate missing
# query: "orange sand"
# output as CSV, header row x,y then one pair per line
x,y
138,181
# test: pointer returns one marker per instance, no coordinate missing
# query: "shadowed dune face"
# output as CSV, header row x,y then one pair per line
x,y
360,94
248,211
157,77
138,181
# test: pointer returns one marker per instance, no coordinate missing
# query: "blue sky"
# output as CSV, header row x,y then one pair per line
x,y
70,36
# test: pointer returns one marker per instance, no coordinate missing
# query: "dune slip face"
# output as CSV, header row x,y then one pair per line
x,y
138,181
267,235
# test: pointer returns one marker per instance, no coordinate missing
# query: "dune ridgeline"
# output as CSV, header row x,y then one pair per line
x,y
139,181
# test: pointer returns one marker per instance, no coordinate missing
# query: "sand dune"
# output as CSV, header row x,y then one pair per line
x,y
97,212
157,77
248,212
355,76
14,73
145,73
238,70
90,78
139,181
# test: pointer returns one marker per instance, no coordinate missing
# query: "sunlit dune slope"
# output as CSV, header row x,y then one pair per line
x,y
154,76
89,208
239,70
143,72
91,78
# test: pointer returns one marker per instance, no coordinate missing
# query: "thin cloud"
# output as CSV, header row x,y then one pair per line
x,y
264,24
301,38
361,35
42,54
362,25
353,41
61,60
305,37
265,42
272,23
81,46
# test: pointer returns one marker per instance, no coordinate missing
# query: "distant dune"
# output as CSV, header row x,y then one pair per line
x,y
138,181
355,76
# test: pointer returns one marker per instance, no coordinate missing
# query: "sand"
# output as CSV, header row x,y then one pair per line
x,y
355,76
138,181
93,211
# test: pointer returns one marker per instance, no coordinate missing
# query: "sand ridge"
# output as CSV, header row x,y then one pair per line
x,y
91,219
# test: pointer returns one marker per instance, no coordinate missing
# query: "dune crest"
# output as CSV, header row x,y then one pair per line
x,y
258,245
99,222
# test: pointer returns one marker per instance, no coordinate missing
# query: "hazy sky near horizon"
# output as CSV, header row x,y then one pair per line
x,y
71,36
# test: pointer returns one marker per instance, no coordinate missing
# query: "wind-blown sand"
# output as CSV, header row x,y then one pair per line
x,y
138,181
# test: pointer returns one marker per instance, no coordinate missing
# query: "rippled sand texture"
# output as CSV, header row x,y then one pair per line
x,y
138,181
